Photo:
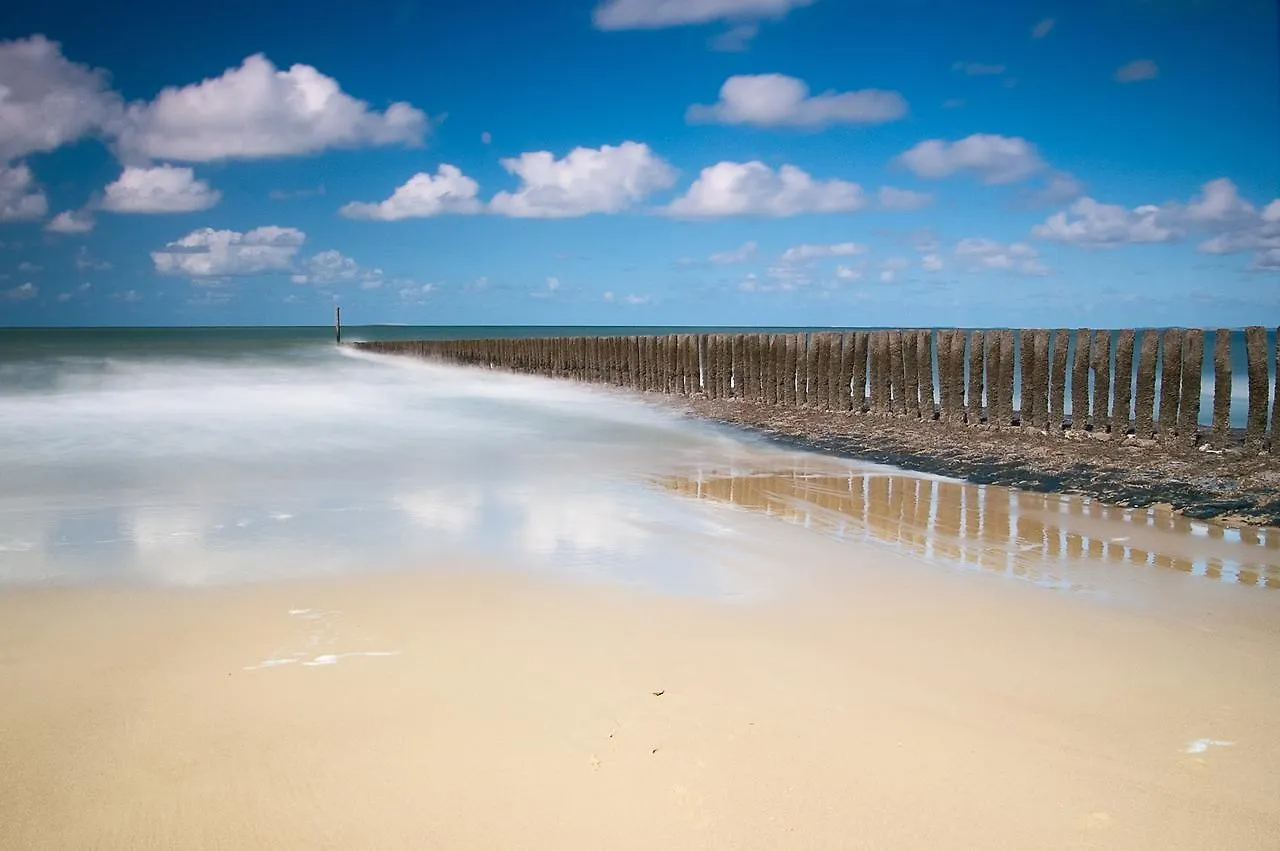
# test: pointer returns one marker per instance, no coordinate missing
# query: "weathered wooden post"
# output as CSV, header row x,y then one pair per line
x,y
337,324
911,365
897,374
779,357
1222,387
845,400
1274,446
832,372
958,339
1006,377
994,402
1080,380
1255,349
802,370
1170,383
883,372
1144,399
820,389
946,407
1058,380
973,410
1026,376
924,369
1192,378
789,370
1102,381
726,366
1124,383
1040,379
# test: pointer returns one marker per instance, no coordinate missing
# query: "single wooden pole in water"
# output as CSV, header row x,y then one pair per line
x,y
1192,369
1080,380
337,324
1122,400
1170,383
1255,344
1222,386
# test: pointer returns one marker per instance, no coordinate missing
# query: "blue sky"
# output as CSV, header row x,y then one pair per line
x,y
702,162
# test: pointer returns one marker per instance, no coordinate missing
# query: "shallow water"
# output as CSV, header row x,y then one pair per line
x,y
235,458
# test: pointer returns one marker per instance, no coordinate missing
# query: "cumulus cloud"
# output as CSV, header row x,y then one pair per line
x,y
993,158
658,14
903,199
977,69
801,253
158,189
71,221
332,267
1043,28
1058,187
776,100
741,254
421,196
754,189
1137,71
20,198
417,294
608,179
206,252
1090,224
23,292
848,273
256,111
980,253
47,101
931,263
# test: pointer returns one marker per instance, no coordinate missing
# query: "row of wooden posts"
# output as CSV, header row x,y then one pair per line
x,y
892,372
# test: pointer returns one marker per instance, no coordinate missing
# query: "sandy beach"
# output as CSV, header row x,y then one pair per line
x,y
880,703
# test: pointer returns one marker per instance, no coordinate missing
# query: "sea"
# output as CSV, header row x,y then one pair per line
x,y
205,456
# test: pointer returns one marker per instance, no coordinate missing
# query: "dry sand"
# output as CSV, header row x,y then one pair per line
x,y
881,703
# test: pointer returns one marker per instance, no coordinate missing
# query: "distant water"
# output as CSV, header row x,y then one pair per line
x,y
204,456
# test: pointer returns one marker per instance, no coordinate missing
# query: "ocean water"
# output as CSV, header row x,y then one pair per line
x,y
197,457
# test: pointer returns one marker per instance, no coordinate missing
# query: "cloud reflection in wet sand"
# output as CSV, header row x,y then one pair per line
x,y
1044,538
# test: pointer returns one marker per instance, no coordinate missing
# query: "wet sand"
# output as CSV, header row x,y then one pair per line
x,y
880,702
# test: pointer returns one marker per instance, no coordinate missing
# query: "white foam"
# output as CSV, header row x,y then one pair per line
x,y
1202,745
334,658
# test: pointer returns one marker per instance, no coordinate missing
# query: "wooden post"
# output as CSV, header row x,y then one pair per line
x,y
846,400
1255,349
811,367
726,366
1058,380
1080,380
780,367
973,411
1145,396
911,366
1222,387
946,407
924,368
789,371
1040,379
994,402
1102,381
802,370
819,388
1192,378
1170,383
1274,447
897,375
1124,383
958,339
834,366
1026,376
879,371
337,324
1006,377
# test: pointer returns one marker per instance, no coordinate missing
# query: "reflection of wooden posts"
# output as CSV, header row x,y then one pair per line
x,y
1192,377
1040,379
973,411
858,387
1080,380
1058,380
992,339
1006,377
1222,387
897,374
1124,383
1255,349
1145,396
1101,381
958,339
1170,383
911,366
1026,375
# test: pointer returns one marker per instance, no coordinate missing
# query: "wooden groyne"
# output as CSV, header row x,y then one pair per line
x,y
1145,387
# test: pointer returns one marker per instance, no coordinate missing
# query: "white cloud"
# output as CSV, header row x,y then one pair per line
x,y
994,158
48,102
848,273
1268,260
421,196
776,100
1043,28
28,266
85,261
1220,205
70,221
417,294
903,199
127,296
980,253
158,189
552,285
486,138
736,39
1059,187
21,293
1090,224
608,179
977,69
632,299
658,14
931,263
801,253
215,253
20,198
741,254
332,267
256,111
80,290
1137,71
754,189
